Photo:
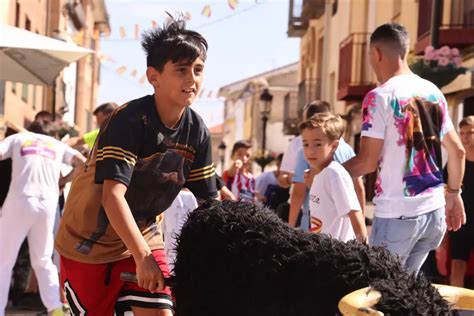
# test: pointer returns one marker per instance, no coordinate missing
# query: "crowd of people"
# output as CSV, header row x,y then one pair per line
x,y
150,165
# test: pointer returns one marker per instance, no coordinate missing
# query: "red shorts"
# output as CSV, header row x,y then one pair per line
x,y
96,289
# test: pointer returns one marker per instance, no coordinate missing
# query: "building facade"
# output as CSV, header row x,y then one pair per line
x,y
243,111
73,96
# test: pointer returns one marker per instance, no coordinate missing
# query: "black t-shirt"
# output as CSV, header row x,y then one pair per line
x,y
154,161
467,194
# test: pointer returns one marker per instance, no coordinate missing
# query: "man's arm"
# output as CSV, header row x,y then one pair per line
x,y
360,191
76,161
284,179
366,161
120,216
455,214
298,194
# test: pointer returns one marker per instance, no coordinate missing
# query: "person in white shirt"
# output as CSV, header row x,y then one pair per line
x,y
175,216
30,207
334,207
405,122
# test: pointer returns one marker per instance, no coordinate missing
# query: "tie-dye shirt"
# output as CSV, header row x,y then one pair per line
x,y
409,182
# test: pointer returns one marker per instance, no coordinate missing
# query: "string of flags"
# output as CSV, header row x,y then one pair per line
x,y
123,70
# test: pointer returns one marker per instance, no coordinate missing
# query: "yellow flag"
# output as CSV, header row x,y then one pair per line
x,y
120,70
122,32
233,4
142,80
206,11
79,38
96,35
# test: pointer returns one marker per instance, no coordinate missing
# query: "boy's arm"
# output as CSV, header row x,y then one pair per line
x,y
358,224
360,191
298,194
6,148
120,216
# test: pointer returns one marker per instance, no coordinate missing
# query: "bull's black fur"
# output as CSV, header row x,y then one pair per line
x,y
237,259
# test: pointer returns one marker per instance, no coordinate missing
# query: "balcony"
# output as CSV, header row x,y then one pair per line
x,y
291,114
300,13
308,91
354,73
456,30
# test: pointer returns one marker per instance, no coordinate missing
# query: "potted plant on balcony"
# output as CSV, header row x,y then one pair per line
x,y
440,66
263,158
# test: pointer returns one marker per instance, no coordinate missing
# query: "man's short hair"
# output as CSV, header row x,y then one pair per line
x,y
317,106
43,127
392,36
331,125
467,121
44,116
240,144
173,42
106,108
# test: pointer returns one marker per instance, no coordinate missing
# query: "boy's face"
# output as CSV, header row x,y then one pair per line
x,y
179,83
317,147
466,134
242,154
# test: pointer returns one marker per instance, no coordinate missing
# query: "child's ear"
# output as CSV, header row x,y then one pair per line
x,y
153,77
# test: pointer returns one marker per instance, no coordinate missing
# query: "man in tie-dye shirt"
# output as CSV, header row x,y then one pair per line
x,y
405,122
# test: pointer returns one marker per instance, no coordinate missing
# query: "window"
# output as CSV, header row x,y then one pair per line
x,y
24,93
17,14
27,23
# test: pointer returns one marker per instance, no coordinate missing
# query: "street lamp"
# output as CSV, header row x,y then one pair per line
x,y
221,152
265,109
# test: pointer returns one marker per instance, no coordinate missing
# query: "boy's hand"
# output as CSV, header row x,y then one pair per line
x,y
149,275
238,164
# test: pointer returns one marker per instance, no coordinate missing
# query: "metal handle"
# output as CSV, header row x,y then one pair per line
x,y
132,277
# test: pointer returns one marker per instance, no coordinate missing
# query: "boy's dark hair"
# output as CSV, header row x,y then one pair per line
x,y
106,108
44,116
314,107
240,144
393,36
43,127
173,42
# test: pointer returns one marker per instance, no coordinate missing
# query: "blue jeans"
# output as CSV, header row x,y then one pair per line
x,y
411,238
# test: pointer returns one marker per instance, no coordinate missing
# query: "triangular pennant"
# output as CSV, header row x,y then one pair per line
x,y
188,16
142,80
136,31
233,4
209,95
201,94
206,11
154,24
123,34
133,73
120,70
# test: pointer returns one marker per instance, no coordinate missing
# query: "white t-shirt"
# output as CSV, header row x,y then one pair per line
x,y
409,182
288,163
175,216
36,164
332,196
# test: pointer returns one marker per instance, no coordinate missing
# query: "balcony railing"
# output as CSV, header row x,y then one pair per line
x,y
300,13
354,73
455,31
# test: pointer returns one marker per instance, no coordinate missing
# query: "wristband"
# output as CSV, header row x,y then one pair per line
x,y
453,191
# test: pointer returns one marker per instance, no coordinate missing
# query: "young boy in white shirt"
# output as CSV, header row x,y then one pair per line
x,y
334,207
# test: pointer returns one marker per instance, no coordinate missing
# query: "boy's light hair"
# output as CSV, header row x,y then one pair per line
x,y
468,120
331,125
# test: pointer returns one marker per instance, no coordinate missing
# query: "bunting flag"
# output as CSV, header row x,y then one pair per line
x,y
201,94
206,11
79,38
96,35
233,3
120,70
209,95
137,31
133,73
188,15
123,34
142,80
154,24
